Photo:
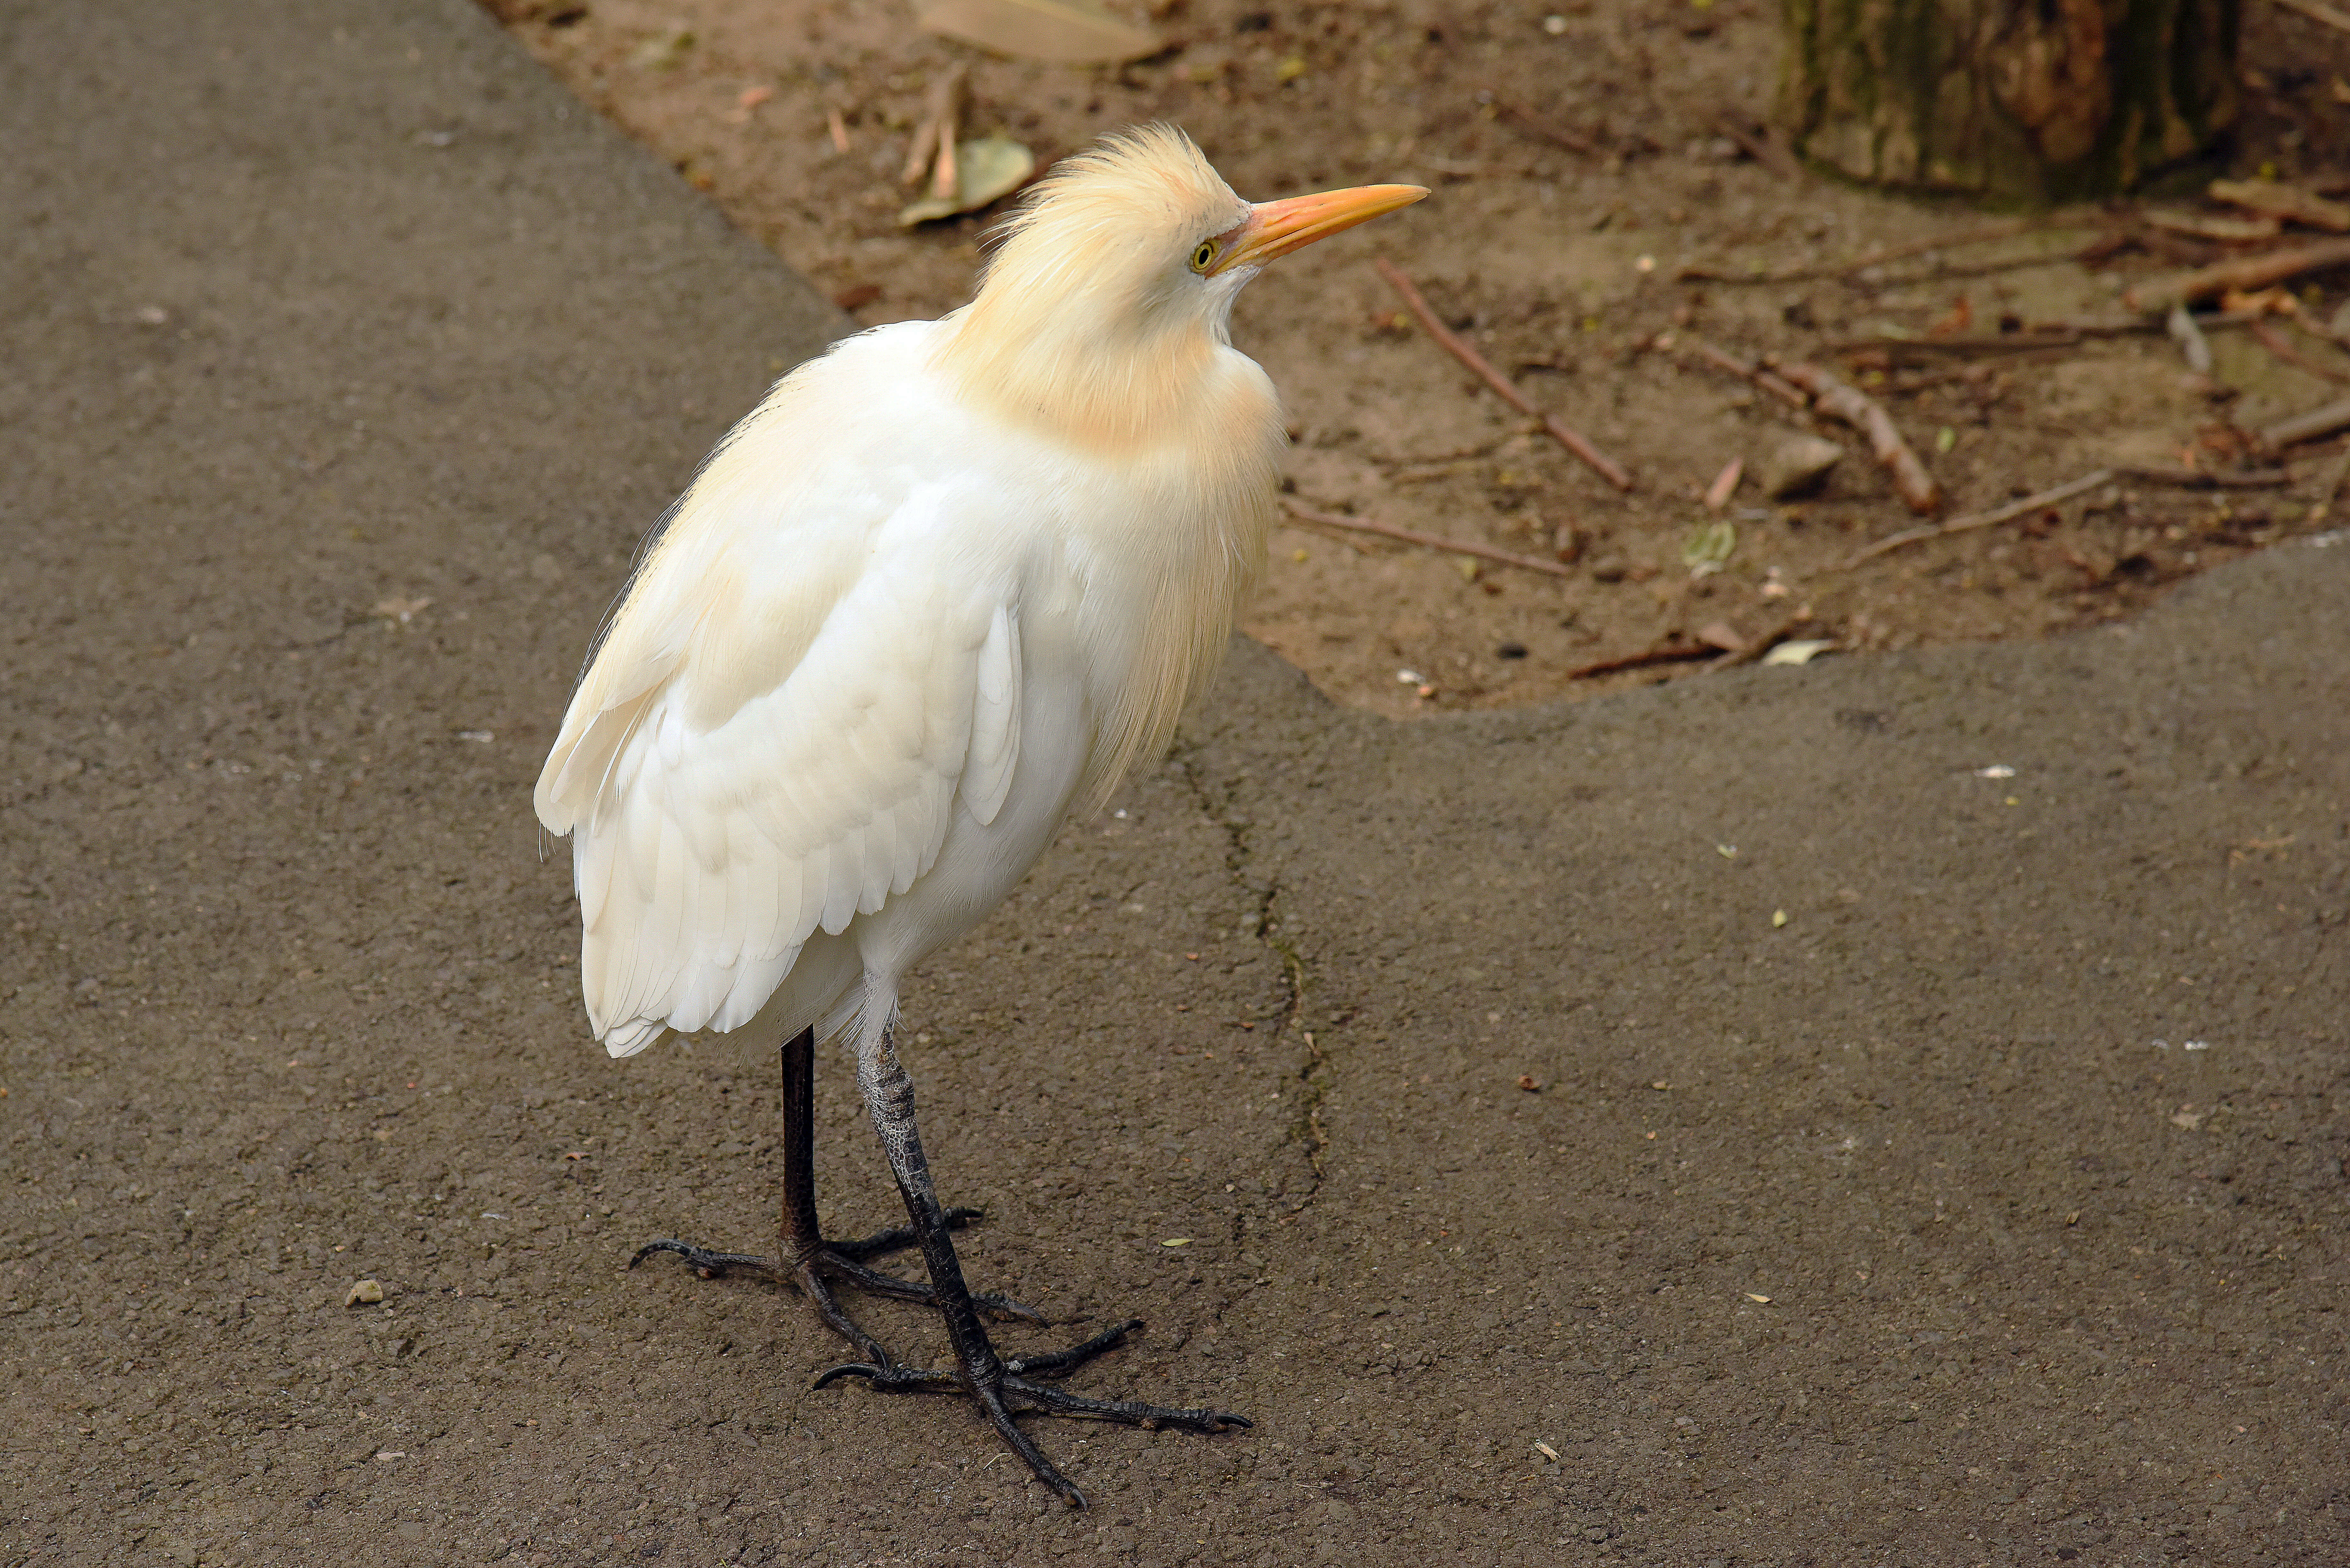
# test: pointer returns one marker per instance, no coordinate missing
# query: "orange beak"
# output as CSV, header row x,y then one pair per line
x,y
1276,228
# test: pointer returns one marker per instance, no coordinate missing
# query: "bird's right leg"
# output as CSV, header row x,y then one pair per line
x,y
1003,1389
805,1258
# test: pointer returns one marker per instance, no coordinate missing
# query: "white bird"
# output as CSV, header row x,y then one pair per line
x,y
938,590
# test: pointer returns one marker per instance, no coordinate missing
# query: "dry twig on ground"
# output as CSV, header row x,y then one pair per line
x,y
1544,128
2318,12
2007,229
2038,335
1761,143
1455,345
1809,387
1430,540
1678,654
2269,339
1778,389
2330,487
2319,421
2211,226
2245,273
932,151
1967,525
2323,331
2274,200
1750,650
1856,408
2208,479
1725,485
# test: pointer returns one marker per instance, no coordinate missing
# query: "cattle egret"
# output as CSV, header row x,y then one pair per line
x,y
936,592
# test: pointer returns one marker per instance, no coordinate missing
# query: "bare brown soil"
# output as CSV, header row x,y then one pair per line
x,y
1563,267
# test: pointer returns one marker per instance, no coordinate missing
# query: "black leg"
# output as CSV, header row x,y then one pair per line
x,y
1002,1390
805,1258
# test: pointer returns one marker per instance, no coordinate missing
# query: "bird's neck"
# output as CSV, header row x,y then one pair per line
x,y
1068,378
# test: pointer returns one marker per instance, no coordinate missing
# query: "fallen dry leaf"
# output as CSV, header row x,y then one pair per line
x,y
985,170
1063,32
1798,652
402,610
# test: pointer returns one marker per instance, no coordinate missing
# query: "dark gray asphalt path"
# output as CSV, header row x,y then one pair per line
x,y
1988,1208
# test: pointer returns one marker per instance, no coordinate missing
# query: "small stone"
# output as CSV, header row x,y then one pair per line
x,y
366,1293
1798,466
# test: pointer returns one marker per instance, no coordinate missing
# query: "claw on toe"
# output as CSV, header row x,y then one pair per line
x,y
709,1265
888,1379
832,1375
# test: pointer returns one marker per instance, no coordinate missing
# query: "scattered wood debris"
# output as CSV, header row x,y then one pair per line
x,y
2289,204
1864,413
1781,390
1546,129
2329,489
1968,523
1984,234
2211,226
2266,335
1761,143
2316,11
963,176
1741,651
1321,519
1455,345
1671,653
934,137
1725,485
2009,393
2158,295
2319,421
2207,478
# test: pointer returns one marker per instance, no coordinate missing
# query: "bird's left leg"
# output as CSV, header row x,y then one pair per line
x,y
806,1259
1002,1388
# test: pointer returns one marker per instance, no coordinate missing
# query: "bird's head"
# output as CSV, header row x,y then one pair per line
x,y
1113,285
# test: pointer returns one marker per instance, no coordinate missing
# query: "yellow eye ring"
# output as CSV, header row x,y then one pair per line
x,y
1201,257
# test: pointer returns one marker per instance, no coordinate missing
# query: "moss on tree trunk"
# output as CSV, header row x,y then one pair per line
x,y
2029,99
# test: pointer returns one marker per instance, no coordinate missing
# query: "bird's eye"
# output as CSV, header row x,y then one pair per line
x,y
1203,256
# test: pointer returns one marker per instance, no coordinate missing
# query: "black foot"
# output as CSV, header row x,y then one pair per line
x,y
712,1265
844,1261
1018,1392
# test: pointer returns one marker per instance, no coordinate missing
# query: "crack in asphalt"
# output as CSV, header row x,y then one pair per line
x,y
1306,1132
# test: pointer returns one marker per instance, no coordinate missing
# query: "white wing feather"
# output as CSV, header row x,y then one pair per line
x,y
716,829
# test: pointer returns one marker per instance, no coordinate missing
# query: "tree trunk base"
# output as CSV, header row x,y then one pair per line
x,y
2037,101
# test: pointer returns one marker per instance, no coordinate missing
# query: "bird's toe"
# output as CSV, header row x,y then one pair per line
x,y
709,1263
